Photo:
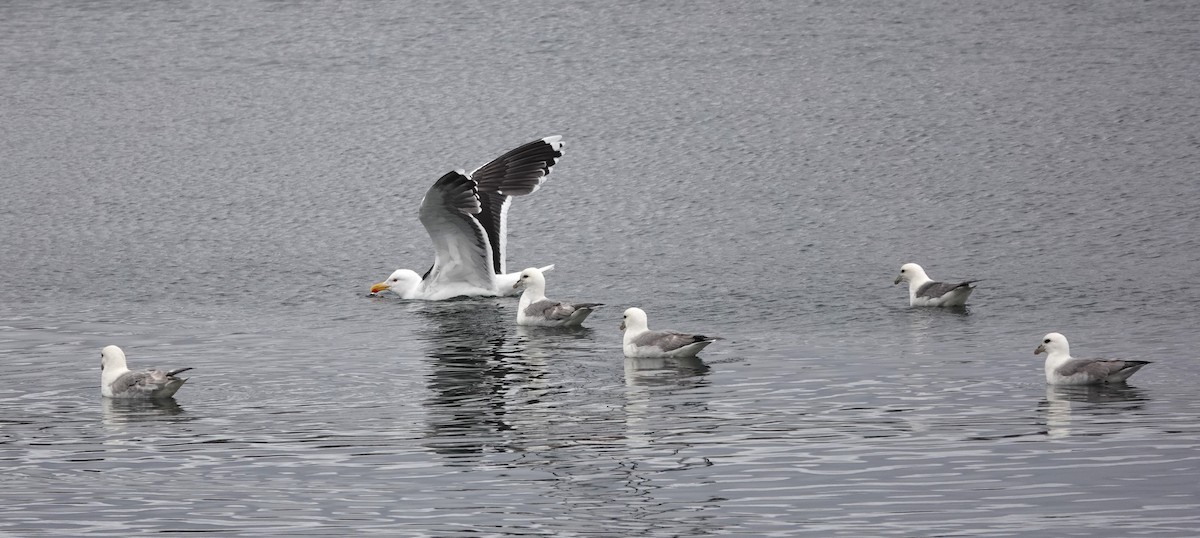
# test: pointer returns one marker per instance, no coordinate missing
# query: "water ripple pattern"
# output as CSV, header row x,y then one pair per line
x,y
218,184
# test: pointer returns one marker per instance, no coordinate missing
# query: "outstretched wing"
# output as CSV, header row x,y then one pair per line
x,y
517,173
462,253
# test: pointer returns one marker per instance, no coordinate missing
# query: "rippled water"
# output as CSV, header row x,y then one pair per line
x,y
217,185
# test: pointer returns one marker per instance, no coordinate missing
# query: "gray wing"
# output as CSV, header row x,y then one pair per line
x,y
669,340
516,173
461,249
1098,368
146,382
935,289
554,310
128,380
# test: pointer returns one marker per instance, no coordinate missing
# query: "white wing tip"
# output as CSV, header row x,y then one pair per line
x,y
554,141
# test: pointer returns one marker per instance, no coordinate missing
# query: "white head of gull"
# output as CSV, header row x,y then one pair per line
x,y
402,282
640,341
466,216
924,291
117,381
535,309
1063,369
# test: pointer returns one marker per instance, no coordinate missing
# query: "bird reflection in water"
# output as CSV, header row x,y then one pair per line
x,y
126,410
474,369
683,371
1088,404
658,388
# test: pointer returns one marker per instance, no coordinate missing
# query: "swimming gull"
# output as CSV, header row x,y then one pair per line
x,y
535,309
466,216
924,291
1063,369
405,282
116,381
640,341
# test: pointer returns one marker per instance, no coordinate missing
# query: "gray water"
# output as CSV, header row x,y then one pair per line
x,y
218,184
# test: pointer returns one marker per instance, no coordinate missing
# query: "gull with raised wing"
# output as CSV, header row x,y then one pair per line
x,y
466,216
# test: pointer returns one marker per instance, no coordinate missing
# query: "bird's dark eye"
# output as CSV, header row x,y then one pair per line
x,y
1046,341
902,270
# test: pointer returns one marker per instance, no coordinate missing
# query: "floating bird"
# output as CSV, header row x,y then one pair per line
x,y
1063,369
466,216
405,282
116,381
640,341
924,291
535,309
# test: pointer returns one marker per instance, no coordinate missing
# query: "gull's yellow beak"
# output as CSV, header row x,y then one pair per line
x,y
1040,349
380,287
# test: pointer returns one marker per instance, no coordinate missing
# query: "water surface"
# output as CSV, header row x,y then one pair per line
x,y
217,185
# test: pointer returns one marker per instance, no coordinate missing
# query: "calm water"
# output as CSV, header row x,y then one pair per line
x,y
217,184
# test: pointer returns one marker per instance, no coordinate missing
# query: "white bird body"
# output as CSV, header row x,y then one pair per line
x,y
407,284
925,291
534,309
1063,369
466,216
117,381
641,342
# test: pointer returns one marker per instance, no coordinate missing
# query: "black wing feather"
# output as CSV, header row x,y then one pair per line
x,y
516,173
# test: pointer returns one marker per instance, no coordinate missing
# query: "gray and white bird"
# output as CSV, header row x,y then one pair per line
x,y
925,291
117,381
535,309
1063,369
466,216
640,341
